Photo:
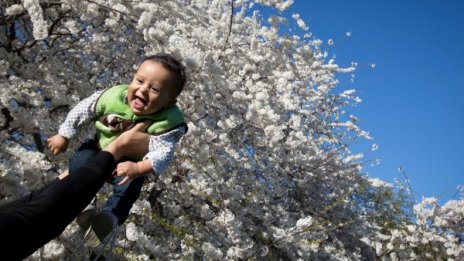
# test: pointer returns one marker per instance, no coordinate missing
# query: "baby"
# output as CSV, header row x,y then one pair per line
x,y
151,96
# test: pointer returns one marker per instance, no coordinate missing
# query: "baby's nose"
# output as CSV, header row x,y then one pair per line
x,y
144,88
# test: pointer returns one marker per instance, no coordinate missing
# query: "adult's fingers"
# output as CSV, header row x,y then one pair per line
x,y
124,181
142,126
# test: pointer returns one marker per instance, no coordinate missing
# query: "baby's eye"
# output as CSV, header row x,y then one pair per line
x,y
154,89
139,81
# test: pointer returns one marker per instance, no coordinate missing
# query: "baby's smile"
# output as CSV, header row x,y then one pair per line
x,y
139,102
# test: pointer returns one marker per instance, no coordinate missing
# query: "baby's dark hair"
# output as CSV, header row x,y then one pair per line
x,y
174,66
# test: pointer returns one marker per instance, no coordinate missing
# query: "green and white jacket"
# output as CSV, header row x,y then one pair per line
x,y
112,115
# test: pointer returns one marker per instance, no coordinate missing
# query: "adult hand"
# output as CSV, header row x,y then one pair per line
x,y
132,143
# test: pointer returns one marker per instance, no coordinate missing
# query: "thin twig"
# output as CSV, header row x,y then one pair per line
x,y
38,141
230,24
8,118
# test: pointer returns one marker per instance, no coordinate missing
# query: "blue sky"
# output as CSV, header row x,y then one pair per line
x,y
412,99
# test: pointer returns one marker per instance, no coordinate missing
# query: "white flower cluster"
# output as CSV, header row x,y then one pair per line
x,y
279,4
300,22
437,233
14,10
378,183
40,29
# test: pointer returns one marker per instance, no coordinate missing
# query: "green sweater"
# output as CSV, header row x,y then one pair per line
x,y
114,116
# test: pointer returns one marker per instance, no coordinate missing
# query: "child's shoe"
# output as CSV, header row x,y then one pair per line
x,y
103,224
85,217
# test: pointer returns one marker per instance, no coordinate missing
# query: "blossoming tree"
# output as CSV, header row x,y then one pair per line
x,y
264,172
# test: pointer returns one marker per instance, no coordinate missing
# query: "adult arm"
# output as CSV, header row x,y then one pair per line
x,y
27,226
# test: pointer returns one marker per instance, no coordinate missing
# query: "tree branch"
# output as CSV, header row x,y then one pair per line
x,y
230,24
8,118
38,141
59,107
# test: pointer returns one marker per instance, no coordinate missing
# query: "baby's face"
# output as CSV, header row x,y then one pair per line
x,y
150,90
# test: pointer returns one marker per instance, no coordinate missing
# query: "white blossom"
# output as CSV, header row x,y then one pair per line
x,y
211,252
304,223
40,30
378,183
145,19
132,232
300,22
14,10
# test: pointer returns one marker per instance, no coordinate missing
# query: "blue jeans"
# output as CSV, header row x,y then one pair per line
x,y
123,197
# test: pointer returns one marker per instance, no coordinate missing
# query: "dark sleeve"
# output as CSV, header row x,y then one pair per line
x,y
35,221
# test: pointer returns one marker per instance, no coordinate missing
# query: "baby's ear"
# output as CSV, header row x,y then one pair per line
x,y
172,103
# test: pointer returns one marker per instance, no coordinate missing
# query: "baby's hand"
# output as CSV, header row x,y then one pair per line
x,y
129,170
57,144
